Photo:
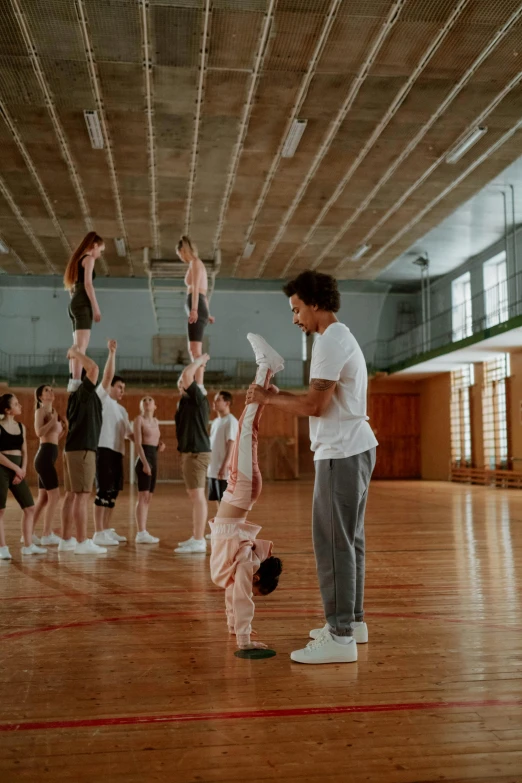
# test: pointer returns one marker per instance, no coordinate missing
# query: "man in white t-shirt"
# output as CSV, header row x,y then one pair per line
x,y
116,429
223,431
344,449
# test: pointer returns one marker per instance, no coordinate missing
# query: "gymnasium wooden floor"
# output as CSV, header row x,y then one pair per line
x,y
119,668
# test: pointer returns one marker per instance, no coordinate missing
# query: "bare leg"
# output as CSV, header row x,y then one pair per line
x,y
53,498
67,516
2,532
199,512
99,519
81,339
228,511
142,510
27,525
107,517
39,507
196,350
81,514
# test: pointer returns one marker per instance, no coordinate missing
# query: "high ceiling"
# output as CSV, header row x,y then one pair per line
x,y
195,100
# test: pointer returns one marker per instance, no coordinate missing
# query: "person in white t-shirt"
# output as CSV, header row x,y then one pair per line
x,y
223,432
116,429
344,449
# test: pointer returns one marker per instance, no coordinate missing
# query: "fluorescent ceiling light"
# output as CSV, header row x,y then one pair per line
x,y
294,137
249,249
95,132
460,149
360,252
120,247
3,247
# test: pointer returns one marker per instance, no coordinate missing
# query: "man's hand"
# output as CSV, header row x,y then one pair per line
x,y
112,345
257,394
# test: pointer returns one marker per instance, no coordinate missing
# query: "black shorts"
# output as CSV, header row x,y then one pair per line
x,y
147,483
195,331
109,477
21,492
80,311
216,489
44,464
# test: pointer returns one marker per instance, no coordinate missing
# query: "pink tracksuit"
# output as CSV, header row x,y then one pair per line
x,y
236,556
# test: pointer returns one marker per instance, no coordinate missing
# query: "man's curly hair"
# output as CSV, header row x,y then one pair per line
x,y
315,288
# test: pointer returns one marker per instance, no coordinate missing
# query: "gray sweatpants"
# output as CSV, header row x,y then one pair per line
x,y
340,494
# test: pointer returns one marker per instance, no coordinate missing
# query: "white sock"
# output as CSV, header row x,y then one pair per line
x,y
341,639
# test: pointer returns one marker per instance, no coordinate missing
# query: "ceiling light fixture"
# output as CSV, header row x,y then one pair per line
x,y
120,247
94,128
249,249
360,252
294,137
462,147
3,247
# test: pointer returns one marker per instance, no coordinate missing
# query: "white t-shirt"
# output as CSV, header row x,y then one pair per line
x,y
222,430
115,423
343,429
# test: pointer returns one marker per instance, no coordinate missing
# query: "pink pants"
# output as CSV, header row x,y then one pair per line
x,y
245,482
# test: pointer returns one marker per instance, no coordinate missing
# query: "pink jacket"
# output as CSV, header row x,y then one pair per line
x,y
235,558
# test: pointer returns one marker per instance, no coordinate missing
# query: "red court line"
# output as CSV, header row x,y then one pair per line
x,y
293,712
197,613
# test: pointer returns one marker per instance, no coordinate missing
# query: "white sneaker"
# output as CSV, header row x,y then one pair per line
x,y
324,649
34,540
360,632
88,547
192,547
188,541
102,539
34,550
51,540
5,554
144,537
113,534
67,544
265,354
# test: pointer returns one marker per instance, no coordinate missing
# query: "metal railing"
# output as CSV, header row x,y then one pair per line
x,y
34,369
486,310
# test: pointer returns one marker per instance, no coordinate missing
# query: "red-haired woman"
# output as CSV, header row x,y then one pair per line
x,y
83,308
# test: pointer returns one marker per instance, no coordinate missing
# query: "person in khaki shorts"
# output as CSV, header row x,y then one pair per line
x,y
192,422
84,416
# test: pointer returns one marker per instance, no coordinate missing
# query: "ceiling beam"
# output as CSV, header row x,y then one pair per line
x,y
355,87
465,78
96,88
151,142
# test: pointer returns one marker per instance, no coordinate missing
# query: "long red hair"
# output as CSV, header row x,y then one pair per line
x,y
71,272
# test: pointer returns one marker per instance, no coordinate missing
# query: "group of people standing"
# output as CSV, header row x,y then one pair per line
x,y
225,460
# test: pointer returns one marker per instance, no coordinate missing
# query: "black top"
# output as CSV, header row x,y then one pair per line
x,y
81,272
84,414
10,442
192,417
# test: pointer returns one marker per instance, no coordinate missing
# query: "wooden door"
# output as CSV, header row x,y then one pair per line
x,y
395,420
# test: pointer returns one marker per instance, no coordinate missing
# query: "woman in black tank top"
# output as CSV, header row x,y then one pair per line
x,y
83,308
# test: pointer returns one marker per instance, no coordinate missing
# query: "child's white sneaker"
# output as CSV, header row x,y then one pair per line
x,y
88,547
102,539
34,540
325,649
192,547
50,540
34,550
360,632
144,537
5,554
188,541
265,354
67,544
113,534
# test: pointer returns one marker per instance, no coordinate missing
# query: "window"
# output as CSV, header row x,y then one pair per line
x,y
462,324
461,382
494,411
495,290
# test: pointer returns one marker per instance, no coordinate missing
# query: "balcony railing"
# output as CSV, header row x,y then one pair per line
x,y
487,312
34,369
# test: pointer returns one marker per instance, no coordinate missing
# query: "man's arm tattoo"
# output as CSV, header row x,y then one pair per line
x,y
318,384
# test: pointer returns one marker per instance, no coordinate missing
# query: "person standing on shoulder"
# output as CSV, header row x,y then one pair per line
x,y
344,449
84,417
192,419
116,429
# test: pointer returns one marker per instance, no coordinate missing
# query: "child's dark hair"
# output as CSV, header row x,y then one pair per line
x,y
315,288
117,379
269,573
225,396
